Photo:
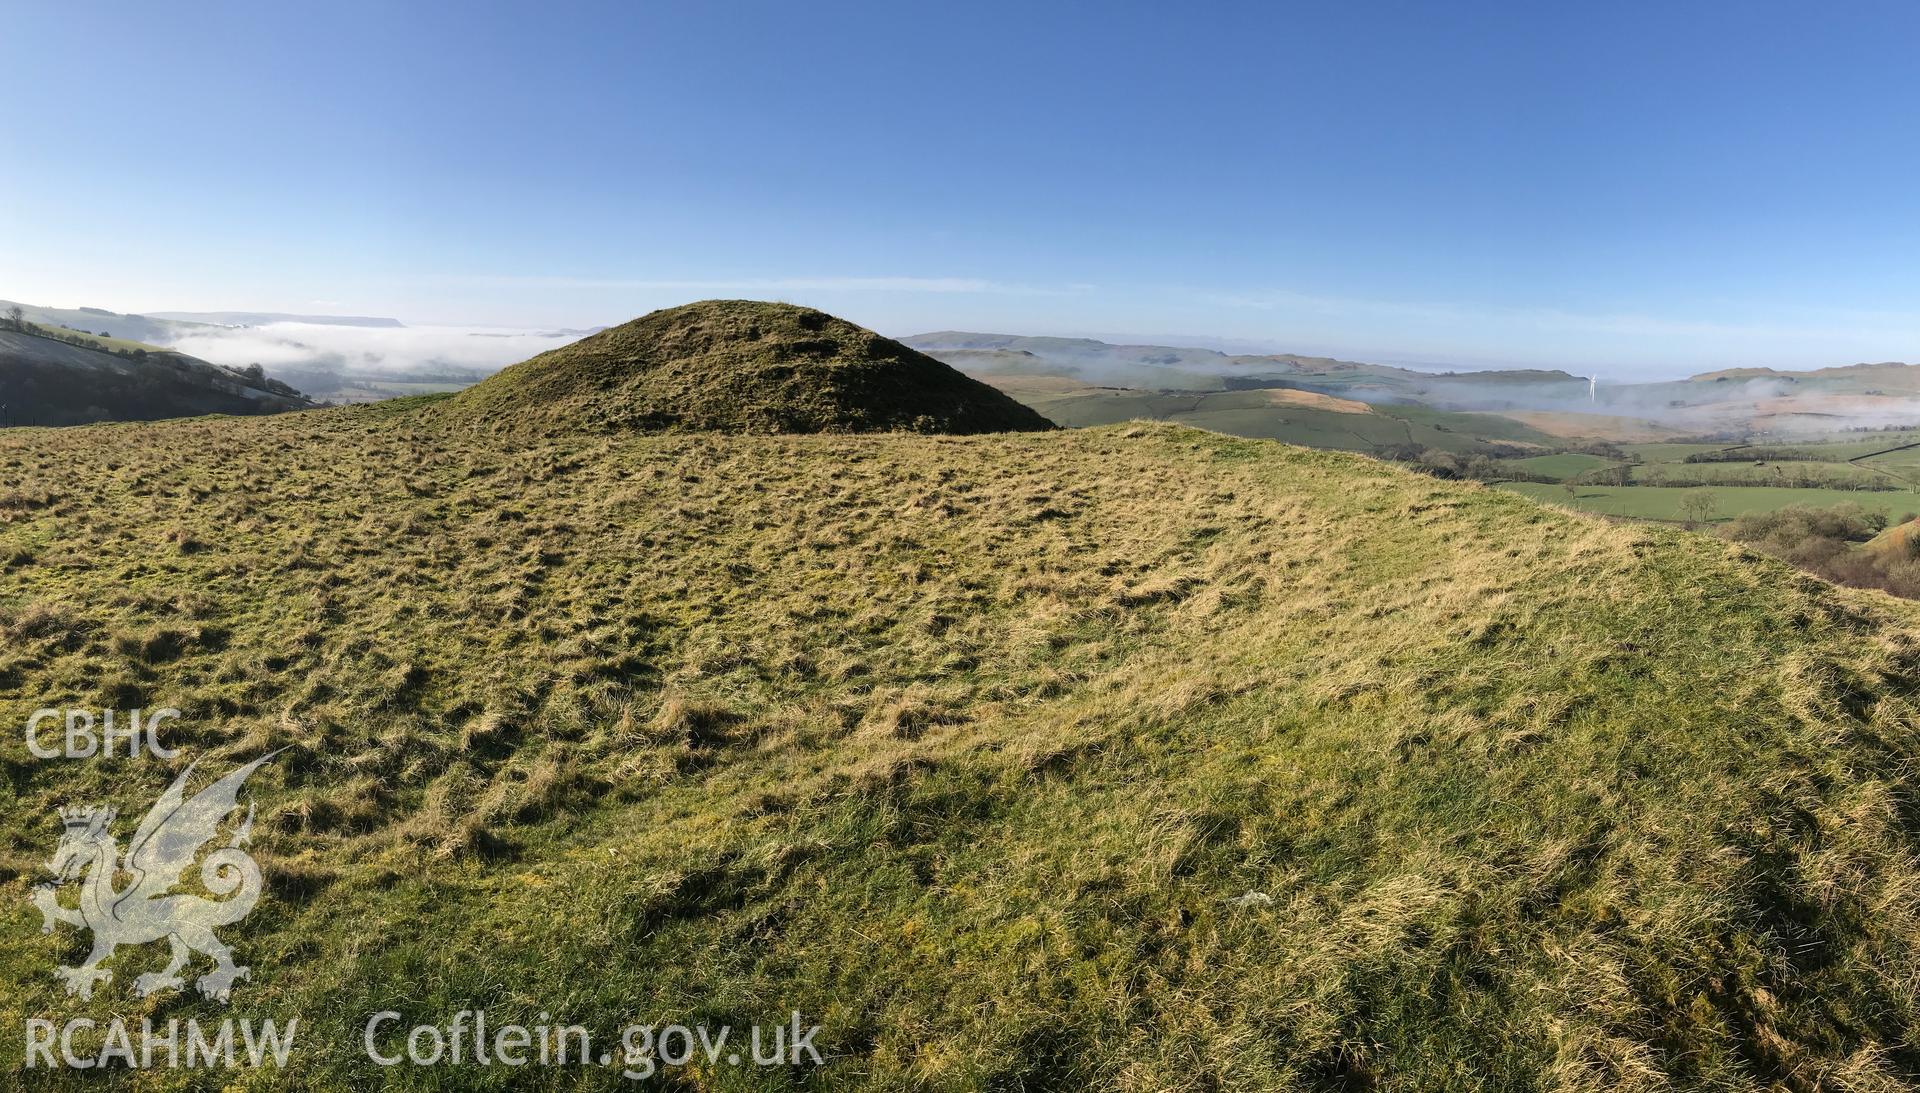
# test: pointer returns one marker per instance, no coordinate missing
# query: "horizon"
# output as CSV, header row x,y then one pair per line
x,y
336,335
1637,193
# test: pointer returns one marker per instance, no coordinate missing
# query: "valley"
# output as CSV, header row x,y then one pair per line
x,y
1639,451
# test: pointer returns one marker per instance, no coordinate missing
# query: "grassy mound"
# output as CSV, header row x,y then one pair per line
x,y
745,367
1126,758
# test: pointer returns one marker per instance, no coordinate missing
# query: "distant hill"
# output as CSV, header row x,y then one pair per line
x,y
262,318
742,366
1187,368
332,358
1056,375
1892,377
1082,381
47,381
139,328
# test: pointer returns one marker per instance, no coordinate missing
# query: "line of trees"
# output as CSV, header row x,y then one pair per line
x,y
1794,477
65,336
1620,474
1758,455
1445,464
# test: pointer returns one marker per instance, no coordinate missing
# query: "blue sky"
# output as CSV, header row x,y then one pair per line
x,y
1639,188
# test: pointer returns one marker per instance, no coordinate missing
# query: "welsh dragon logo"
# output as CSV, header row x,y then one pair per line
x,y
147,909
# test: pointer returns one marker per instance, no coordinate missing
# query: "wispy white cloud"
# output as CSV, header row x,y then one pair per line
x,y
937,285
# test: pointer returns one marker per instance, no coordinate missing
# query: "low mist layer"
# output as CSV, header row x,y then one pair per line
x,y
388,350
1729,403
342,363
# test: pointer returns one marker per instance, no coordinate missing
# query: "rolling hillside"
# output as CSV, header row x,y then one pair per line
x,y
94,320
1294,415
1730,402
1133,757
1162,367
44,381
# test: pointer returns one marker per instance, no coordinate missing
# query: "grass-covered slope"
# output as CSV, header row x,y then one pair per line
x,y
114,326
740,366
1134,757
45,381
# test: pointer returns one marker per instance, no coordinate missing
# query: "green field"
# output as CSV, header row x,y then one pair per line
x,y
1662,477
1668,451
1252,414
1560,465
1847,445
1811,475
1487,426
1903,464
1660,503
1839,447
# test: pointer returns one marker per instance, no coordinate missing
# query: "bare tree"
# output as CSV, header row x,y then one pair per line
x,y
1698,506
17,318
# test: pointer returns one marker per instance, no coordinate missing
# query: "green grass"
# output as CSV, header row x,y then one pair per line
x,y
1837,447
1669,452
1129,758
1845,446
1252,414
1903,465
1663,503
1832,476
1743,488
1561,465
1484,426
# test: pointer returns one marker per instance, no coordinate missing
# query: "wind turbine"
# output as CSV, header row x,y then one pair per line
x,y
1593,388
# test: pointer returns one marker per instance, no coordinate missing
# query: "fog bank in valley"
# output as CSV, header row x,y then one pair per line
x,y
387,352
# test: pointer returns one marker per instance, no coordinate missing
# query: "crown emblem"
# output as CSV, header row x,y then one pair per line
x,y
87,817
